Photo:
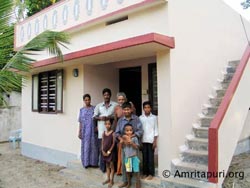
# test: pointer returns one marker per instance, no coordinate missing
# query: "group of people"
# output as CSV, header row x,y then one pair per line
x,y
112,136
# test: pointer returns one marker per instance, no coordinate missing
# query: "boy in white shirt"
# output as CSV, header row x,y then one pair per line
x,y
149,140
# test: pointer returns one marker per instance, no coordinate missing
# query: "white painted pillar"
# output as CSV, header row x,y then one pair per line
x,y
164,111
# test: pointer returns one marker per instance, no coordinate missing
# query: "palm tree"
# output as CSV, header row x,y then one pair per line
x,y
11,63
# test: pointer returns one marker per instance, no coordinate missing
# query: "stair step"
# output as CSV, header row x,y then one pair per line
x,y
230,69
193,156
205,120
218,92
214,100
209,109
188,170
233,63
227,77
175,182
222,83
197,143
200,132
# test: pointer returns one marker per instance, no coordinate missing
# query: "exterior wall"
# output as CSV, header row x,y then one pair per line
x,y
101,34
92,79
11,116
98,77
107,75
207,34
51,146
244,140
54,131
72,14
246,129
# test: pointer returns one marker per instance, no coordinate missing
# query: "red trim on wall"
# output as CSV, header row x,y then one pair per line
x,y
110,14
81,25
120,11
213,153
216,122
125,43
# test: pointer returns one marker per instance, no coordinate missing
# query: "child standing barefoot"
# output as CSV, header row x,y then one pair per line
x,y
108,142
149,140
132,162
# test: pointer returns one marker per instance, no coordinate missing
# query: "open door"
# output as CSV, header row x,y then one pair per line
x,y
130,84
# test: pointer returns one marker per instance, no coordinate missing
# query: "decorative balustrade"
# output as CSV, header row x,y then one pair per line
x,y
72,14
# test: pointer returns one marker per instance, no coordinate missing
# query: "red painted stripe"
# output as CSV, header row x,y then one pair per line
x,y
55,5
117,12
125,43
216,122
91,21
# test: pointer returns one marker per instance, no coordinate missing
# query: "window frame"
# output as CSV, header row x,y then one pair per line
x,y
151,92
36,89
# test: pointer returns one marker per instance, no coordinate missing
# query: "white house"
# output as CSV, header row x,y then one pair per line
x,y
169,51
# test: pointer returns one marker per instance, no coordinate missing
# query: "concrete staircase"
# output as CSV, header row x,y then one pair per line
x,y
194,154
93,177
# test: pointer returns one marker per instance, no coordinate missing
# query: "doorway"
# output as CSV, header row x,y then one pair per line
x,y
130,84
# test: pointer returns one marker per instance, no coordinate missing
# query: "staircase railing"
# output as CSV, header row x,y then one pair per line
x,y
232,111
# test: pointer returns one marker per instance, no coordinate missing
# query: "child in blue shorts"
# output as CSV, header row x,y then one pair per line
x,y
132,162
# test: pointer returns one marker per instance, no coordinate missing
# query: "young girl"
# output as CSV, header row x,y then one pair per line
x,y
108,142
132,162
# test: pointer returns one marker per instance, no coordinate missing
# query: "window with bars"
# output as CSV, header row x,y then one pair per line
x,y
47,91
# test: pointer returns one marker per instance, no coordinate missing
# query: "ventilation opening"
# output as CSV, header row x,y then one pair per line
x,y
117,20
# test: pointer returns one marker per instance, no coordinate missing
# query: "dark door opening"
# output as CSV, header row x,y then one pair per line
x,y
130,84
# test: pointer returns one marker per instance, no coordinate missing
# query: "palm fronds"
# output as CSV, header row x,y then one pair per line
x,y
21,61
48,40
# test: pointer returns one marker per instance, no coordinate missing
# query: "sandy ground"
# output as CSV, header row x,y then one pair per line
x,y
17,171
240,172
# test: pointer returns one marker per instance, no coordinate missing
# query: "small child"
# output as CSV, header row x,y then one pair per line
x,y
108,143
149,140
131,160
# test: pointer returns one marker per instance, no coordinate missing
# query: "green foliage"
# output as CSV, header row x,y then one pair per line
x,y
48,40
6,45
10,77
6,13
13,64
34,6
9,81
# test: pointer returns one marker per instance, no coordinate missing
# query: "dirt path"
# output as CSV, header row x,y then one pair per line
x,y
17,171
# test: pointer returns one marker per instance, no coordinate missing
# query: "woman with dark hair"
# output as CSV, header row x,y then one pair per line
x,y
89,145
